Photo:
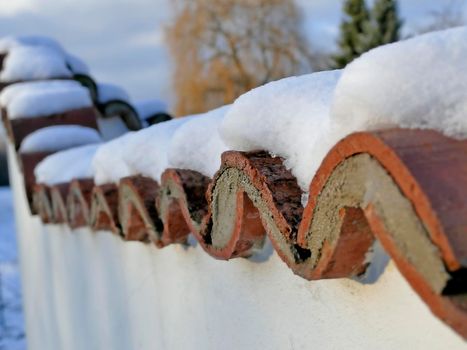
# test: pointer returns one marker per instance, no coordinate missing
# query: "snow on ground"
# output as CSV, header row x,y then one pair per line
x,y
64,166
289,118
11,315
59,137
141,153
197,145
42,98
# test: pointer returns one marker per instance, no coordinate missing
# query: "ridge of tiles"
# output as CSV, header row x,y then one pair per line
x,y
405,188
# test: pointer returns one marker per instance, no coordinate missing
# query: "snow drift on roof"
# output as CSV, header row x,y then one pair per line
x,y
288,118
76,65
33,63
415,83
42,98
65,166
197,145
108,163
139,153
59,137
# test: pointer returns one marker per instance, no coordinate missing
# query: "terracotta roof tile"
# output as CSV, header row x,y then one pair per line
x,y
387,185
19,128
79,202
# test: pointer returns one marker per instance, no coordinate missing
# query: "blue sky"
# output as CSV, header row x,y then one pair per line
x,y
122,40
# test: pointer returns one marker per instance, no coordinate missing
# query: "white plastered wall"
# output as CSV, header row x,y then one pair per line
x,y
85,290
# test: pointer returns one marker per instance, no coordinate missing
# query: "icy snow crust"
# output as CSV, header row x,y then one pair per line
x,y
42,98
197,145
289,118
416,83
59,137
140,153
65,166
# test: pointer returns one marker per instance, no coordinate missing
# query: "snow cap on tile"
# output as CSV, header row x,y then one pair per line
x,y
197,145
415,83
59,137
65,166
139,153
42,98
37,43
288,118
25,63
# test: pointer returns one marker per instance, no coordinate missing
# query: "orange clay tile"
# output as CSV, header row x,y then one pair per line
x,y
137,210
17,129
79,202
104,208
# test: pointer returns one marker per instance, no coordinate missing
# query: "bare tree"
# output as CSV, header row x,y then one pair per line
x,y
223,48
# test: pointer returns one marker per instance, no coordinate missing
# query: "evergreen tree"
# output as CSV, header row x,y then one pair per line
x,y
386,23
353,31
362,29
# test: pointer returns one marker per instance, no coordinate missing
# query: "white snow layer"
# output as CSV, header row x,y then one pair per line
x,y
289,118
109,163
59,137
64,166
416,83
42,98
109,92
74,63
197,145
147,108
140,153
25,63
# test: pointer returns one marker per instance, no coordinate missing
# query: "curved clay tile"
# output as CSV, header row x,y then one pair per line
x,y
123,110
104,208
58,195
42,203
18,128
182,204
79,202
27,163
406,188
137,210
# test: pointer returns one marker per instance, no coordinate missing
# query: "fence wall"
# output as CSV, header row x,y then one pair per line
x,y
92,290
